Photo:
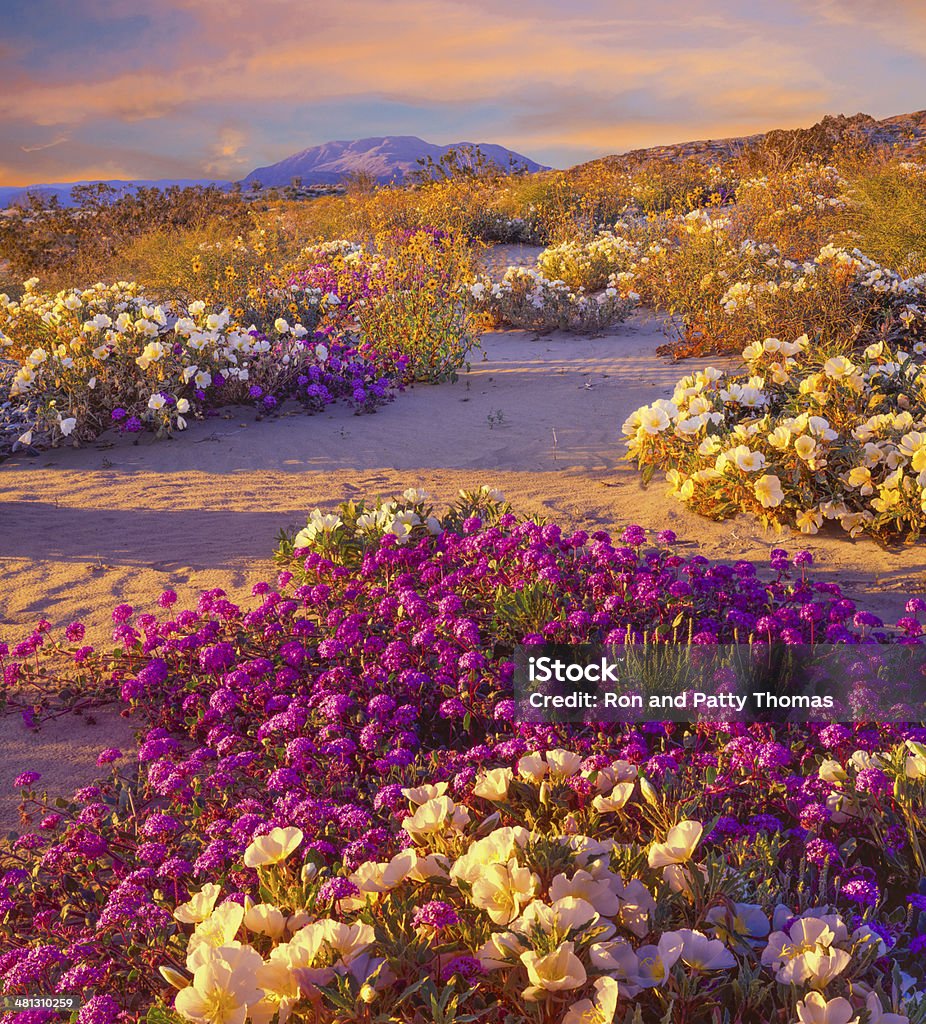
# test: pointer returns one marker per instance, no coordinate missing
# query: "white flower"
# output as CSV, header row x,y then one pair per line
x,y
768,490
272,848
815,1008
600,1011
702,953
223,987
746,460
156,402
67,425
679,846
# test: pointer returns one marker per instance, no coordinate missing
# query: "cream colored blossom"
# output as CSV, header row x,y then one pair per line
x,y
559,971
272,848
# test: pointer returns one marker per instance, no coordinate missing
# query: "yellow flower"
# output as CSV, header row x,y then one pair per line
x,y
619,795
503,889
601,1010
815,1008
533,767
780,437
422,794
265,919
496,848
860,477
810,521
272,848
218,929
435,816
679,846
805,954
563,763
559,971
839,367
653,420
583,886
199,906
374,879
223,987
915,764
746,460
805,446
768,491
679,487
888,498
493,785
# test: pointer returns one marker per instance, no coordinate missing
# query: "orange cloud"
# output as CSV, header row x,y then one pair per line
x,y
414,49
590,73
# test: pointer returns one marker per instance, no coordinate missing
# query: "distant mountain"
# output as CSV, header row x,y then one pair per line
x,y
18,195
902,132
389,159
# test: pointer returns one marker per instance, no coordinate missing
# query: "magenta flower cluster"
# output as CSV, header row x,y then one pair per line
x,y
338,686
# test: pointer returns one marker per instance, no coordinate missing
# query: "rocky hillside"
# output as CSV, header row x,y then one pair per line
x,y
903,132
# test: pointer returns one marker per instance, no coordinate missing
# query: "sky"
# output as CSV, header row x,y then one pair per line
x,y
214,88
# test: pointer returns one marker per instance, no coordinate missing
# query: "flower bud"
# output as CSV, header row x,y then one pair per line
x,y
650,794
174,978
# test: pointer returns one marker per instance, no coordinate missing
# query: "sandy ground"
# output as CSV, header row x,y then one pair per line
x,y
537,417
63,750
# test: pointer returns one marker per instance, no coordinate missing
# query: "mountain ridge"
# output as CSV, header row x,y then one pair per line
x,y
387,157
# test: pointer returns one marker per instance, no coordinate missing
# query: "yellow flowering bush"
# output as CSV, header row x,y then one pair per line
x,y
588,265
799,209
798,439
728,295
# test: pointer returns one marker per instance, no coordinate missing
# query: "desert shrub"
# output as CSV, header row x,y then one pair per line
x,y
798,210
827,141
403,298
687,270
106,356
888,215
83,242
727,296
798,439
199,263
679,186
296,224
525,299
588,265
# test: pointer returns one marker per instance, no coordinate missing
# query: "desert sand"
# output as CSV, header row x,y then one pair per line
x,y
538,417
